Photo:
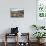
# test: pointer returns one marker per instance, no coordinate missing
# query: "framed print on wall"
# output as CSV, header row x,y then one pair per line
x,y
17,12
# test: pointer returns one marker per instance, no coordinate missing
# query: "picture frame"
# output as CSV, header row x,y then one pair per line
x,y
16,12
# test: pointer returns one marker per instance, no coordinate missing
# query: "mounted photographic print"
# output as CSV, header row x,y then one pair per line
x,y
17,12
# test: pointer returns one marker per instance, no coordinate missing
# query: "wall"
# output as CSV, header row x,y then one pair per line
x,y
24,24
